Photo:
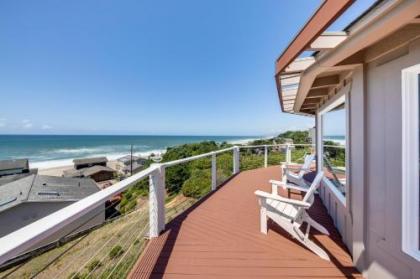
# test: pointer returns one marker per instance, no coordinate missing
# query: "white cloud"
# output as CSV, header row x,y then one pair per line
x,y
46,127
26,124
2,122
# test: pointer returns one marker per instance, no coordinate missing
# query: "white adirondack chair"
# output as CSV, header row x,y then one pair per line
x,y
297,179
290,214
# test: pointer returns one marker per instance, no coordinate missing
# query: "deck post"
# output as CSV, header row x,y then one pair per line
x,y
288,154
235,160
213,172
319,142
156,201
265,156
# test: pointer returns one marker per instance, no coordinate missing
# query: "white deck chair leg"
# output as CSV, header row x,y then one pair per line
x,y
263,220
316,225
310,244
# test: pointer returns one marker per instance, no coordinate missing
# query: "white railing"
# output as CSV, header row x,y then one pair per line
x,y
18,242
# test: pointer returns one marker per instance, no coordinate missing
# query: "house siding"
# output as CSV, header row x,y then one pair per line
x,y
381,204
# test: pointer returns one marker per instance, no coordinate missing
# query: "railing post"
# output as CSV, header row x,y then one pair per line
x,y
213,172
288,154
157,201
236,160
265,156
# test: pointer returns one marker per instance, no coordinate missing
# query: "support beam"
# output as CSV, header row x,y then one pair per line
x,y
236,162
328,40
397,40
299,65
319,22
319,142
324,82
213,172
311,102
316,93
157,201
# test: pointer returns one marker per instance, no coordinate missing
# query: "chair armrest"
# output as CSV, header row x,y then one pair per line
x,y
292,167
265,195
276,183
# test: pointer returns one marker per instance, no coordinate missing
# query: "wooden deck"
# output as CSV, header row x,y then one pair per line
x,y
220,238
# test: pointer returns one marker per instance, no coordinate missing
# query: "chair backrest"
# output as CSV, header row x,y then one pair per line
x,y
306,164
309,196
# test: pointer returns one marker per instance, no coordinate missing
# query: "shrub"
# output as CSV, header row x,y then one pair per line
x,y
197,185
116,251
94,265
76,275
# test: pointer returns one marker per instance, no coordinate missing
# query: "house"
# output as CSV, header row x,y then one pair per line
x,y
98,173
89,162
33,197
370,71
17,166
125,164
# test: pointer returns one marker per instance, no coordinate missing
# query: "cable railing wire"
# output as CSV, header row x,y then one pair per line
x,y
106,242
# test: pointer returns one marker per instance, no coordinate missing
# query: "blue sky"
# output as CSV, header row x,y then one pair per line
x,y
148,66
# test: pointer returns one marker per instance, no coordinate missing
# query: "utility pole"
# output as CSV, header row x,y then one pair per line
x,y
131,160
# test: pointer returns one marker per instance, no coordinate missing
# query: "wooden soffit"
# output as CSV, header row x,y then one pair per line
x,y
318,23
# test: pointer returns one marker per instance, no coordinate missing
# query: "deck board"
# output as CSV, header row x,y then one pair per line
x,y
220,238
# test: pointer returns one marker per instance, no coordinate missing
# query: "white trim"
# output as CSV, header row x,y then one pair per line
x,y
410,161
335,101
332,103
319,142
335,191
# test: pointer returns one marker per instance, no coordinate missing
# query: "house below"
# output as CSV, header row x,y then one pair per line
x,y
89,162
10,167
97,173
33,197
124,164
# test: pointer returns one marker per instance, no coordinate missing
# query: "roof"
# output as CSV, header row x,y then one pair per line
x,y
38,188
14,164
90,160
53,188
13,177
135,166
127,158
16,192
95,169
86,171
304,84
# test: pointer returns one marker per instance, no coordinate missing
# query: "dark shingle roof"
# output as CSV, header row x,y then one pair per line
x,y
95,160
15,192
127,159
13,177
135,167
95,169
37,188
86,171
52,188
14,164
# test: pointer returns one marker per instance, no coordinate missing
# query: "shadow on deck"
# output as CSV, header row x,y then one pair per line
x,y
220,238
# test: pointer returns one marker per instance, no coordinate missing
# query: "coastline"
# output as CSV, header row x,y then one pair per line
x,y
56,167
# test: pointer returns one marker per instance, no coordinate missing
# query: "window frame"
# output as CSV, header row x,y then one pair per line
x,y
342,97
410,161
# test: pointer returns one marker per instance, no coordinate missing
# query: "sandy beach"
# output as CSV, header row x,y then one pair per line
x,y
57,167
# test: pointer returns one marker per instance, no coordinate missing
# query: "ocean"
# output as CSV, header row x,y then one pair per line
x,y
45,151
337,139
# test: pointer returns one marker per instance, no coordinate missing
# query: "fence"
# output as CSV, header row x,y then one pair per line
x,y
119,249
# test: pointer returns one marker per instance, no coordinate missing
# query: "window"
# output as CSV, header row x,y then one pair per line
x,y
332,121
410,161
334,146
